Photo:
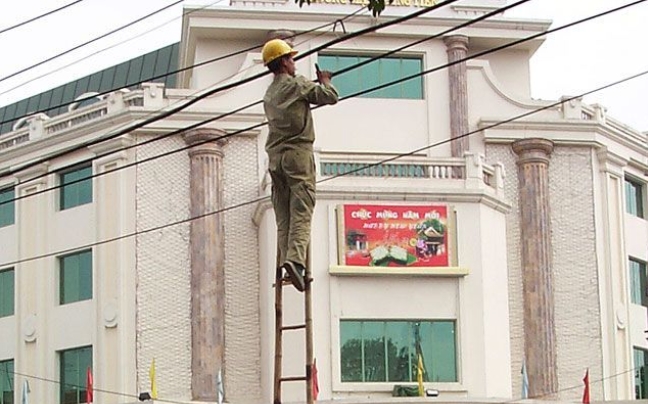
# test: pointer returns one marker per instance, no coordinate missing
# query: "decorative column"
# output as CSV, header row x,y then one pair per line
x,y
207,245
537,277
457,48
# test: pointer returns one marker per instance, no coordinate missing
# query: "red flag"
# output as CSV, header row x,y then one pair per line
x,y
586,396
89,382
315,381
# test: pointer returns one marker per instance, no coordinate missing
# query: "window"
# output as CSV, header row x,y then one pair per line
x,y
375,73
76,187
638,282
7,382
7,293
7,207
640,362
387,351
75,277
74,368
634,197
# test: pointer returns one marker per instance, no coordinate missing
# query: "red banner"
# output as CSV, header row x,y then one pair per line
x,y
395,235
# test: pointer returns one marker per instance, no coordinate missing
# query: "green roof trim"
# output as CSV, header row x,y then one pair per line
x,y
141,68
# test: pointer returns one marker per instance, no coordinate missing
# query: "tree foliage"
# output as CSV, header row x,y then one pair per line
x,y
375,6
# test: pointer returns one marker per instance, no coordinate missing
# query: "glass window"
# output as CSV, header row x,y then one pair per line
x,y
638,282
7,382
388,351
7,207
74,367
7,292
634,197
76,187
640,362
375,73
75,278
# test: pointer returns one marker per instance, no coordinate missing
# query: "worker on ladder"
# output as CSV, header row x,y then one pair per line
x,y
287,105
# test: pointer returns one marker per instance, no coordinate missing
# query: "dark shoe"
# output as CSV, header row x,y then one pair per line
x,y
296,274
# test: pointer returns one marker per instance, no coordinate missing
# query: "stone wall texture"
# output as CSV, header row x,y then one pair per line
x,y
577,311
163,269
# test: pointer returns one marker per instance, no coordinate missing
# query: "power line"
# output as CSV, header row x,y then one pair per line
x,y
89,42
117,393
256,126
230,113
260,199
483,17
163,75
94,54
20,24
213,91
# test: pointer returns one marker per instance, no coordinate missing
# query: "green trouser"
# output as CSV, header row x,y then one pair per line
x,y
293,199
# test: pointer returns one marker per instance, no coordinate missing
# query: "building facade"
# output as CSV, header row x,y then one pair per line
x,y
519,246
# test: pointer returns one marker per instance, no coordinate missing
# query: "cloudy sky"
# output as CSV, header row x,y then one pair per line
x,y
570,62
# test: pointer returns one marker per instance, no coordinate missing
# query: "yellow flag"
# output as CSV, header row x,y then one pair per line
x,y
419,376
154,395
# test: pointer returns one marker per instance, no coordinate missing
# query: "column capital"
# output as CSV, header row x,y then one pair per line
x,y
205,141
456,42
533,150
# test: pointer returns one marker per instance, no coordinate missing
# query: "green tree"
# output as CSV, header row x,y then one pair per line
x,y
375,6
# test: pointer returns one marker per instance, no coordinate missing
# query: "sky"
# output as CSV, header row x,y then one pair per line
x,y
570,62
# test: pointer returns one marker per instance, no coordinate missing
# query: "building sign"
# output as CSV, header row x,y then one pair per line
x,y
394,235
395,3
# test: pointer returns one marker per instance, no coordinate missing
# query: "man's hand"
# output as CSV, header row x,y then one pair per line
x,y
324,77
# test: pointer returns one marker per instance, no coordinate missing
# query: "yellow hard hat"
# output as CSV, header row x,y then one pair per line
x,y
276,48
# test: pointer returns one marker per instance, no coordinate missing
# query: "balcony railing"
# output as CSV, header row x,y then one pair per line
x,y
40,125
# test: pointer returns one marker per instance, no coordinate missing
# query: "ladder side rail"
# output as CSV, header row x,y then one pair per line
x,y
278,335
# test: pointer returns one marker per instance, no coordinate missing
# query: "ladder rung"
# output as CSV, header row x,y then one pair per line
x,y
293,379
284,282
293,327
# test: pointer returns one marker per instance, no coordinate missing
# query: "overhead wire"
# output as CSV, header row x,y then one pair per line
x,y
499,123
347,17
38,17
81,99
58,55
176,71
346,173
221,116
229,86
375,88
136,396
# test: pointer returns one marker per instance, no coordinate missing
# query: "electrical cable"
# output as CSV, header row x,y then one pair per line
x,y
94,54
213,91
136,397
89,42
350,16
20,24
163,75
387,160
262,198
256,126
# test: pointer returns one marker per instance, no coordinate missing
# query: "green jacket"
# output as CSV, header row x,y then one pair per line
x,y
287,108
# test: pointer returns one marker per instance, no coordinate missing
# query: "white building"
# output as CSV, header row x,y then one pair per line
x,y
535,253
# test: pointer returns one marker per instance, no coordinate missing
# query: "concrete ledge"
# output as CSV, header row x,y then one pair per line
x,y
450,272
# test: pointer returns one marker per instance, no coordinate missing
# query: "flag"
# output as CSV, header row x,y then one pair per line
x,y
314,380
219,386
525,381
89,383
25,392
586,393
419,376
154,395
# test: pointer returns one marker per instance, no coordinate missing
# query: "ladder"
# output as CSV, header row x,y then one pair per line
x,y
280,283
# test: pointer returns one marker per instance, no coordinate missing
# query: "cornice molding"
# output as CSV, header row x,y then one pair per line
x,y
397,194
